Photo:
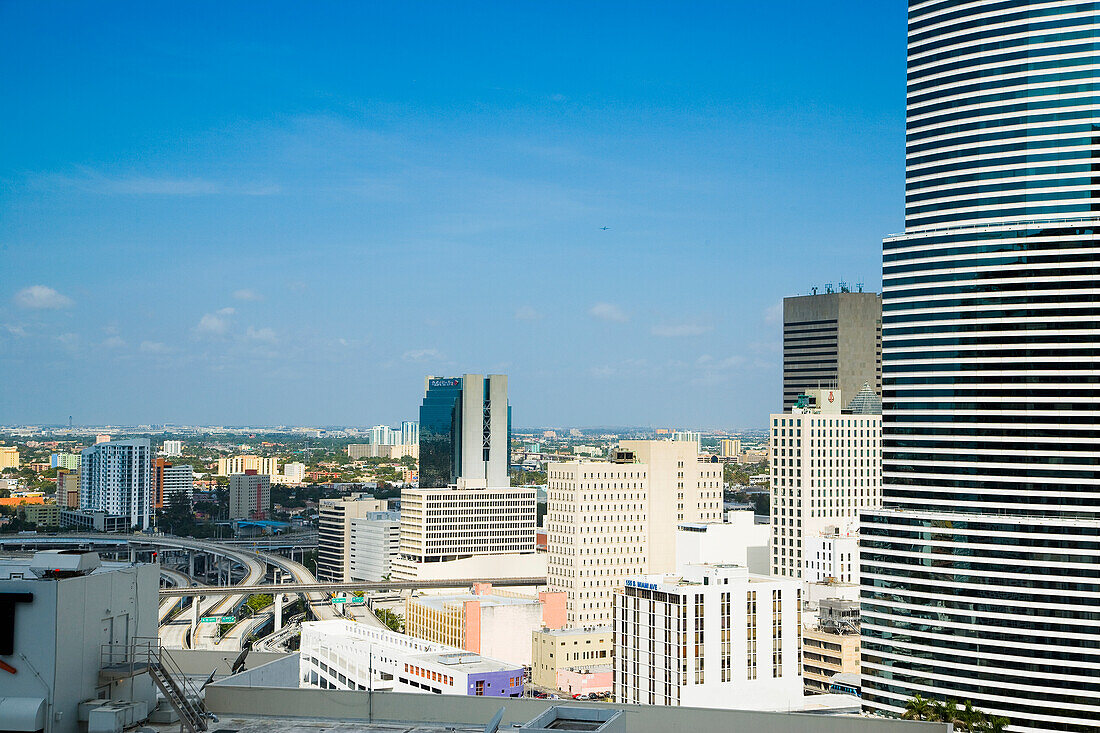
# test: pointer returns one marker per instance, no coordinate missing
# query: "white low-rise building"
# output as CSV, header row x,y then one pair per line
x,y
345,655
711,636
832,556
737,541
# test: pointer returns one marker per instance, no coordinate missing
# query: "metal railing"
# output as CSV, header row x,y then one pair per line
x,y
146,655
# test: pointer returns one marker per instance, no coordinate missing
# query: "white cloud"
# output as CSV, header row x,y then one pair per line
x,y
15,330
154,347
774,313
247,294
96,182
114,342
266,335
527,313
608,312
40,297
417,355
680,329
214,324
602,372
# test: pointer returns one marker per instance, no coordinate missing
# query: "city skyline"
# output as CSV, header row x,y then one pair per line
x,y
293,222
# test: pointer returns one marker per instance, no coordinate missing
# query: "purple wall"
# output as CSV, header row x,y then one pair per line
x,y
497,684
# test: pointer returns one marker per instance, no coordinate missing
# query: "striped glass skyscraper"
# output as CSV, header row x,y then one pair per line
x,y
981,577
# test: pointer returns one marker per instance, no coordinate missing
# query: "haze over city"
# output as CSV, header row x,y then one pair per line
x,y
212,215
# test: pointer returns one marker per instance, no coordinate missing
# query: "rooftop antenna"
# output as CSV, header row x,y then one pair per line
x,y
813,290
859,287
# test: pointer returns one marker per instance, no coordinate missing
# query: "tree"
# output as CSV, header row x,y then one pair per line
x,y
917,708
392,620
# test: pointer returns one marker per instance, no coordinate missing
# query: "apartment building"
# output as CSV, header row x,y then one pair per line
x,y
334,556
712,636
115,480
826,467
442,529
245,463
832,555
9,457
609,520
249,495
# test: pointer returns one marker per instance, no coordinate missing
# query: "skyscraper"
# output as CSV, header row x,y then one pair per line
x,y
980,577
831,340
465,424
115,479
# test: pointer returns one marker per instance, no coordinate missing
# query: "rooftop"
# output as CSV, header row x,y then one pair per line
x,y
577,631
440,602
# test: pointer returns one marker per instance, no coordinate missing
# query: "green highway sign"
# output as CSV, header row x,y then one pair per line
x,y
229,619
339,600
208,620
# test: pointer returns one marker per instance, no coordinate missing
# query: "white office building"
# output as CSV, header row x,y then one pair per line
x,y
345,655
293,473
116,479
832,556
826,468
442,529
334,556
375,540
610,520
737,541
172,448
382,435
410,432
711,636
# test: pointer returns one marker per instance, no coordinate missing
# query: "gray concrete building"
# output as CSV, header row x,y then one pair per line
x,y
831,340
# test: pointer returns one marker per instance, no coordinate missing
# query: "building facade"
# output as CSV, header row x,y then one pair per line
x,y
250,495
826,468
445,525
344,655
831,340
714,636
610,520
375,544
245,463
830,646
465,423
115,478
979,574
555,651
9,457
832,555
68,461
334,556
172,448
485,621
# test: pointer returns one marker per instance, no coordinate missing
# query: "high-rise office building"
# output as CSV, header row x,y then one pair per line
x,y
382,435
980,574
115,479
465,424
249,495
826,467
410,432
831,340
609,520
334,533
375,544
179,483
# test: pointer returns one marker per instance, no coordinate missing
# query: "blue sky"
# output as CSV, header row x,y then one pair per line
x,y
265,213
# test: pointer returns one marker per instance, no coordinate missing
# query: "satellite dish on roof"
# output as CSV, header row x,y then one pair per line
x,y
495,722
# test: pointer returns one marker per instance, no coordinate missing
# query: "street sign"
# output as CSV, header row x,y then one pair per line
x,y
208,620
229,619
338,599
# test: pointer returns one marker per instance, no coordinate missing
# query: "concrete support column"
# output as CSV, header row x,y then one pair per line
x,y
278,611
191,564
194,618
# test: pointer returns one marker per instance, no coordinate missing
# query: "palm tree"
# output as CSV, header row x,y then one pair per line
x,y
945,712
918,708
970,718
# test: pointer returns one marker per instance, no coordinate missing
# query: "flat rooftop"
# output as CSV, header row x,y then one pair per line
x,y
316,725
577,631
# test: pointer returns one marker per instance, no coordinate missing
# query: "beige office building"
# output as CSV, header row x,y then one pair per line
x,y
826,467
357,451
334,556
610,520
244,463
553,650
9,457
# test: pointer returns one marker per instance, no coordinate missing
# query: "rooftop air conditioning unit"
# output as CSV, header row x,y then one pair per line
x,y
58,564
